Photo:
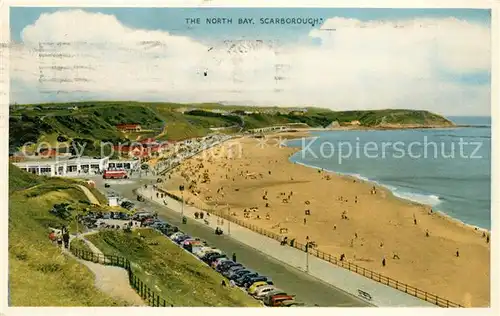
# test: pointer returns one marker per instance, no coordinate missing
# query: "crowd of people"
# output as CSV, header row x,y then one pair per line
x,y
60,237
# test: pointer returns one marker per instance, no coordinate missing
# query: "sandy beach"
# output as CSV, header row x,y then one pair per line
x,y
257,182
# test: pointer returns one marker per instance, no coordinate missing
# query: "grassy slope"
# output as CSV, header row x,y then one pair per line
x,y
39,275
77,243
175,275
95,121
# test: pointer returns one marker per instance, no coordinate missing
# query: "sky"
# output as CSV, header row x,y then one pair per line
x,y
348,59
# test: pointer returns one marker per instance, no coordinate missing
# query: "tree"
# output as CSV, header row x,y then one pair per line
x,y
62,210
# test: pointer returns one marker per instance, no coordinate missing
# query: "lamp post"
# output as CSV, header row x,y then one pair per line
x,y
181,188
228,222
307,254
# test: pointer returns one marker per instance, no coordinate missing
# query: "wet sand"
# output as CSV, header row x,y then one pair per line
x,y
346,217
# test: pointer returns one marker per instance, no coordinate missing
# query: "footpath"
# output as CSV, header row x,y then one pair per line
x,y
111,280
381,295
89,195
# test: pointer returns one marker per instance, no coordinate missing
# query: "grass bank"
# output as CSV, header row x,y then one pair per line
x,y
39,274
174,274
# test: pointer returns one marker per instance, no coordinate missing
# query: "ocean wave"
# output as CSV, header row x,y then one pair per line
x,y
464,136
427,199
478,177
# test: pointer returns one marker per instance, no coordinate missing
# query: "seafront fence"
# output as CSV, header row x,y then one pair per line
x,y
401,286
144,291
429,297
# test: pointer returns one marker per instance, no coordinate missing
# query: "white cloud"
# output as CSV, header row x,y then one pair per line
x,y
375,64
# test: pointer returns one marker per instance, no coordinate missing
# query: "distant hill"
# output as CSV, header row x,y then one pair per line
x,y
94,122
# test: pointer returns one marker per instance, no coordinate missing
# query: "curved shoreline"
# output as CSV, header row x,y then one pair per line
x,y
382,186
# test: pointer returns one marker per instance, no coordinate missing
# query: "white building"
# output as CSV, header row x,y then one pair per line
x,y
124,164
270,129
62,166
113,200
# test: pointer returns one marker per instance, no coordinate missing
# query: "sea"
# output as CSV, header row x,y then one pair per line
x,y
448,169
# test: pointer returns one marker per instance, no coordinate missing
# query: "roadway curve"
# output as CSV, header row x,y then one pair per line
x,y
307,289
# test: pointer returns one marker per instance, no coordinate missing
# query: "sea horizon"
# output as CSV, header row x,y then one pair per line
x,y
458,187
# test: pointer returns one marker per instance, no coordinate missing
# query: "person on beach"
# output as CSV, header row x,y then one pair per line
x,y
383,262
457,254
234,257
342,257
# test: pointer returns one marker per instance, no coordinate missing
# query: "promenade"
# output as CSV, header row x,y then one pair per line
x,y
308,289
350,282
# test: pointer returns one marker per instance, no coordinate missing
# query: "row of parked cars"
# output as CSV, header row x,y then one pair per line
x,y
259,286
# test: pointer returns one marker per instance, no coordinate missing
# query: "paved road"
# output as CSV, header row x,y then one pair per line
x,y
307,289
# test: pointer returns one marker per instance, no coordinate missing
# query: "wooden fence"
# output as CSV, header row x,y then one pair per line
x,y
148,295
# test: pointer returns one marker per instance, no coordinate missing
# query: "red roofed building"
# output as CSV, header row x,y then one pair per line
x,y
129,127
149,141
47,153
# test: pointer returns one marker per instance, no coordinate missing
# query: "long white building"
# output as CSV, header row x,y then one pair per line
x,y
63,166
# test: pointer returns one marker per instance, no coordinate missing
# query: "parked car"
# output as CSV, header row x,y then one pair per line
x,y
175,235
169,230
232,270
179,236
252,279
158,225
259,278
218,261
200,252
242,279
127,205
206,250
267,299
189,242
262,291
180,239
277,300
235,273
193,245
224,266
211,257
150,221
252,289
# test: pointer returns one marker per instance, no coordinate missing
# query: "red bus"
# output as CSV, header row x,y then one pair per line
x,y
115,174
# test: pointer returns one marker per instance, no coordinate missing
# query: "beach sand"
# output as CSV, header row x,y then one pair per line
x,y
377,225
